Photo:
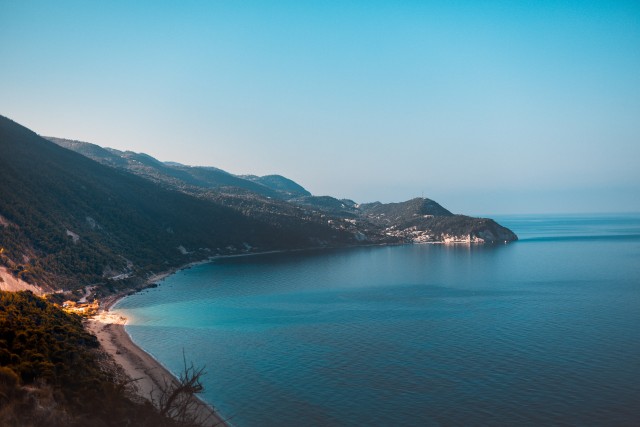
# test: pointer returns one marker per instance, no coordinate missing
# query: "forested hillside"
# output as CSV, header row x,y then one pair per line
x,y
191,178
52,373
67,221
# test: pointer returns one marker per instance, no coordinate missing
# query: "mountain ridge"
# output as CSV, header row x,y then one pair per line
x,y
412,221
71,221
176,174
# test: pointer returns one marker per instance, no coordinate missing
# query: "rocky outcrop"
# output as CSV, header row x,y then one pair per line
x,y
425,221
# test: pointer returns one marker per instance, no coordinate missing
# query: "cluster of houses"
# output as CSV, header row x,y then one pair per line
x,y
83,309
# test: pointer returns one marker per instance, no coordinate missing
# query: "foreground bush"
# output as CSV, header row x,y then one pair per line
x,y
53,374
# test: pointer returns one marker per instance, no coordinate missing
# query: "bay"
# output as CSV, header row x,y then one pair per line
x,y
545,330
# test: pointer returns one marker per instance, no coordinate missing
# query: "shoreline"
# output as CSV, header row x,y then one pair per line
x,y
147,373
139,365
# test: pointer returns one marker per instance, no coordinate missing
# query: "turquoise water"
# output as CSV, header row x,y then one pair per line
x,y
544,331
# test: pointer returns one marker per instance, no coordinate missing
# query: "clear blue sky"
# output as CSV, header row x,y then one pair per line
x,y
484,106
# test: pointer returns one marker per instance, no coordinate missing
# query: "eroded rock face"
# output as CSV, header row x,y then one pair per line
x,y
8,282
495,233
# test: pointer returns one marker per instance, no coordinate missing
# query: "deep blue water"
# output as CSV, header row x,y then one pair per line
x,y
544,331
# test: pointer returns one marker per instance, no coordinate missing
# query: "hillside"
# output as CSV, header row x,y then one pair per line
x,y
86,215
191,178
283,185
52,372
67,221
277,198
398,213
418,220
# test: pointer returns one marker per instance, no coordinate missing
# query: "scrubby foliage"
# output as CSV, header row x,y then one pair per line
x,y
40,342
51,373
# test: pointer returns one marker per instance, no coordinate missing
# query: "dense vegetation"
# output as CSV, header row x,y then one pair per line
x,y
398,213
280,200
462,225
434,220
68,221
175,175
52,374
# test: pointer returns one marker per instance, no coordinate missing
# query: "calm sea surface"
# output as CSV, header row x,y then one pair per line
x,y
544,331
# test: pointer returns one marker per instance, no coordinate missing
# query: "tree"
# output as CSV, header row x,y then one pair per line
x,y
177,398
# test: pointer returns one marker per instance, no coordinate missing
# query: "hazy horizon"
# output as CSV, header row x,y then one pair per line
x,y
485,107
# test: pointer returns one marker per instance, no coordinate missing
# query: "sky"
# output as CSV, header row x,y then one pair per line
x,y
484,106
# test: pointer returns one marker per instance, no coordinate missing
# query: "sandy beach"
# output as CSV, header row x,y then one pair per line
x,y
137,364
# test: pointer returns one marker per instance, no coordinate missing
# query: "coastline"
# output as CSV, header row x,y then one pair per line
x,y
147,373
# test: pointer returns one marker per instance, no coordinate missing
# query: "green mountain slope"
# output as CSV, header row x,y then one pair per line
x,y
397,213
68,221
279,199
281,184
190,178
53,374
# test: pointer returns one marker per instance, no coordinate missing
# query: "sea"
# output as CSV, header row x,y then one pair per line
x,y
542,331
